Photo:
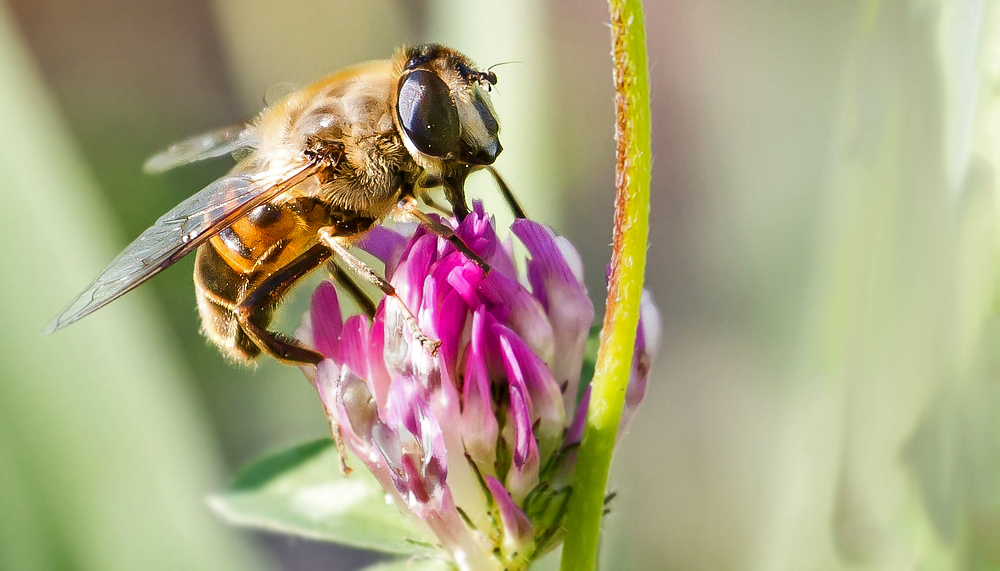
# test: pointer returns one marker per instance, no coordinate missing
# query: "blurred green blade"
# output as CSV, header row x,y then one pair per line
x,y
300,491
105,455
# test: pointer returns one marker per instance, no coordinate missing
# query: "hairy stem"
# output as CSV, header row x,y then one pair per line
x,y
628,265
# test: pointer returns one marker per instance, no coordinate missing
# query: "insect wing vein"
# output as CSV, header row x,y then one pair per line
x,y
177,233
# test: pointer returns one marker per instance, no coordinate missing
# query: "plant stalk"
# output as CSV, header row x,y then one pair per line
x,y
633,167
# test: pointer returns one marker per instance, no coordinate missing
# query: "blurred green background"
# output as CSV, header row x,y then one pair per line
x,y
823,250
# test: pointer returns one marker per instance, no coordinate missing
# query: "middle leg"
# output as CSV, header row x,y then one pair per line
x,y
347,283
329,237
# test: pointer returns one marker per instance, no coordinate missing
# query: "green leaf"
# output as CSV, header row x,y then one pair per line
x,y
301,492
412,564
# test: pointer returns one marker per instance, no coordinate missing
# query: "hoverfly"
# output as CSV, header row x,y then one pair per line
x,y
320,167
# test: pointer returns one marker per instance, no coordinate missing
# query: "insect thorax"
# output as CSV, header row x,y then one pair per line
x,y
355,117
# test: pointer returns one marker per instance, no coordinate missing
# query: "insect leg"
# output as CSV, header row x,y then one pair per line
x,y
454,191
328,236
512,202
347,283
266,294
436,206
409,206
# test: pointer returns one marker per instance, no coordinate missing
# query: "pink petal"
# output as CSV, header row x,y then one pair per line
x,y
523,473
353,350
518,533
479,423
647,343
384,243
545,402
522,313
327,323
413,269
378,378
556,280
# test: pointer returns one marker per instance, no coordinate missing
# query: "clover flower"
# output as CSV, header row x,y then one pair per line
x,y
476,441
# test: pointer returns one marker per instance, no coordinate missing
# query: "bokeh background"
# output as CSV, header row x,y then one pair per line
x,y
823,250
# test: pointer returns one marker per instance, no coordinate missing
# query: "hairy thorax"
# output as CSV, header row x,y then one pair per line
x,y
352,110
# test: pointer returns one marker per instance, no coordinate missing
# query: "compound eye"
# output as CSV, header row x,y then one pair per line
x,y
427,114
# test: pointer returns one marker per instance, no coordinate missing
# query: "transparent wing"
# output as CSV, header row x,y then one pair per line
x,y
205,146
279,91
178,232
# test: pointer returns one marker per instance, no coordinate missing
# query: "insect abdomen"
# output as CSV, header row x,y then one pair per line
x,y
218,289
240,258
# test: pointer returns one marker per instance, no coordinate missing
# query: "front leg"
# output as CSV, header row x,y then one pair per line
x,y
508,195
409,205
454,191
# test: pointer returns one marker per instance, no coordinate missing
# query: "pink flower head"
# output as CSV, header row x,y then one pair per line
x,y
476,441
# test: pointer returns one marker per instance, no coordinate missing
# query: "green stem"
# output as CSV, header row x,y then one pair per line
x,y
628,265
